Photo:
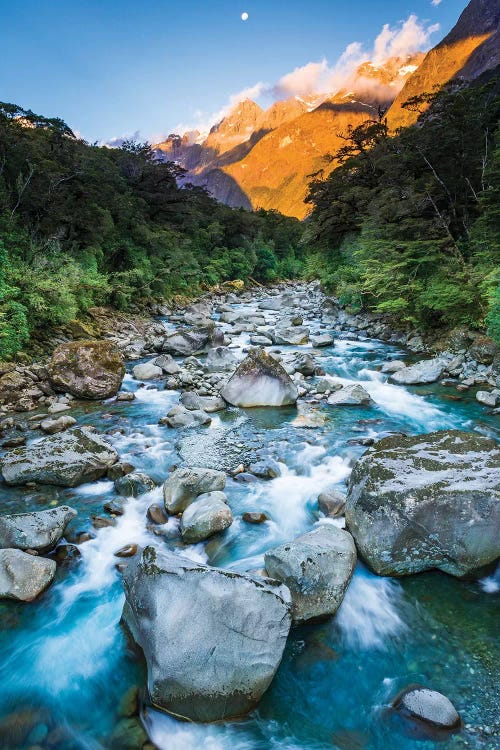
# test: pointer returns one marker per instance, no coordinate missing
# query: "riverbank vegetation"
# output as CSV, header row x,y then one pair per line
x,y
410,225
82,225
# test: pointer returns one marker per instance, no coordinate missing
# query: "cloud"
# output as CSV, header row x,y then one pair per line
x,y
118,140
436,2
406,38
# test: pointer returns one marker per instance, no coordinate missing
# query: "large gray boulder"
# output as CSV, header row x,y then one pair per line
x,y
186,342
87,369
293,335
317,568
322,339
39,530
68,459
426,371
350,395
185,485
22,576
429,501
260,381
147,371
213,639
207,515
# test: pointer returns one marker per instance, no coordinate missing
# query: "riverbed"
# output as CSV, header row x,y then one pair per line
x,y
65,657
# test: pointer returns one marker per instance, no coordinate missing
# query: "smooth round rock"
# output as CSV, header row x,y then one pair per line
x,y
428,706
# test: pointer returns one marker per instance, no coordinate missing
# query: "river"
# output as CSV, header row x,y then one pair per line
x,y
65,658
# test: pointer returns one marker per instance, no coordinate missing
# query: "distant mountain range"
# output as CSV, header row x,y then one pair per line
x,y
259,158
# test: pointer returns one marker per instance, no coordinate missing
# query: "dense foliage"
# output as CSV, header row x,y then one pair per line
x,y
410,225
82,225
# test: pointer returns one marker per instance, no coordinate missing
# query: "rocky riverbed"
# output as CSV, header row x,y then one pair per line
x,y
231,526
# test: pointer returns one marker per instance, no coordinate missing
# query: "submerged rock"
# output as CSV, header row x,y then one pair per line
x,y
317,568
213,639
185,485
68,459
426,371
207,515
24,576
134,484
39,530
350,395
260,381
87,369
430,501
428,706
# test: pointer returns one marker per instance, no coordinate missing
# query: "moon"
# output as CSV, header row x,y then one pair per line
x,y
244,16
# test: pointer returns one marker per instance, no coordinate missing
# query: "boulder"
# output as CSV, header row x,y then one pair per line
x,y
180,417
488,398
428,501
213,639
210,404
294,335
350,395
423,705
39,530
483,350
260,381
68,459
147,371
206,516
317,568
395,365
22,576
322,339
87,369
221,359
53,426
426,371
185,485
332,503
274,304
186,342
303,363
134,484
167,364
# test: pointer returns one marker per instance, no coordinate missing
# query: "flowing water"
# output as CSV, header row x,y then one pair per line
x,y
66,661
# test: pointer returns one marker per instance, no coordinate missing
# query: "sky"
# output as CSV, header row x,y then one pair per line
x,y
115,68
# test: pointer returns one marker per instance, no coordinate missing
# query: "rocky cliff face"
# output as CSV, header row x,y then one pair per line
x,y
471,48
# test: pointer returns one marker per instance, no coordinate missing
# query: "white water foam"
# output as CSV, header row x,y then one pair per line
x,y
369,615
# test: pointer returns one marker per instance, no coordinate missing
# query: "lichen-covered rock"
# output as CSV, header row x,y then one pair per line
x,y
207,515
317,568
213,639
421,373
430,501
428,706
39,530
260,381
186,484
87,369
22,576
68,459
134,484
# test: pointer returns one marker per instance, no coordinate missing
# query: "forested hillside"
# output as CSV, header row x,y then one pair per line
x,y
410,225
82,225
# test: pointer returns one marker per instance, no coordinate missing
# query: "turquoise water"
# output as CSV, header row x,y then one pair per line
x,y
66,663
